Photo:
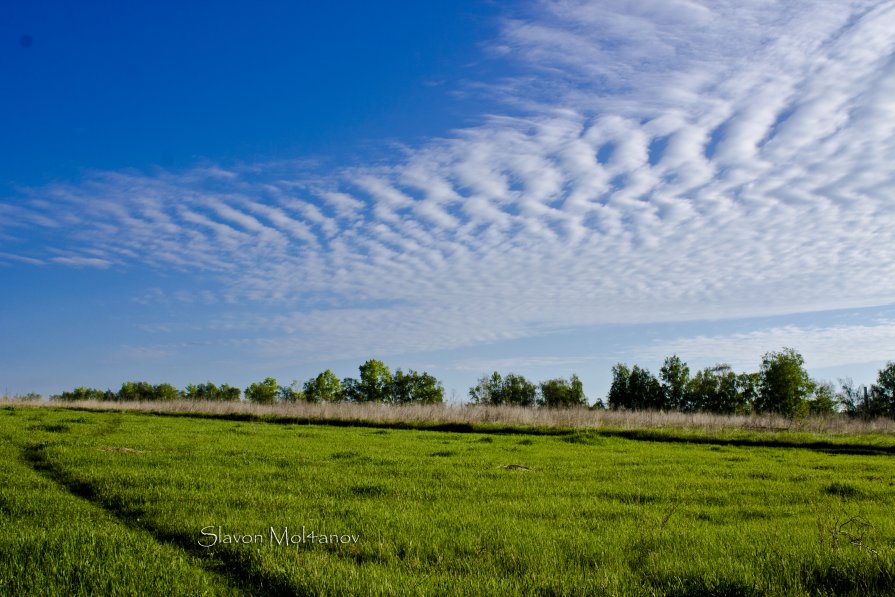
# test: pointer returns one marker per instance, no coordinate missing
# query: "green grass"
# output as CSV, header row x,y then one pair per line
x,y
99,502
55,543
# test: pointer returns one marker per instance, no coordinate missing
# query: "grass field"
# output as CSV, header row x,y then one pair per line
x,y
123,503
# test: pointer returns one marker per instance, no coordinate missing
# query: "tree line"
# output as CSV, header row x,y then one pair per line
x,y
515,390
376,383
781,386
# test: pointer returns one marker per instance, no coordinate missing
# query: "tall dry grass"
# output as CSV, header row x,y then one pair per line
x,y
511,416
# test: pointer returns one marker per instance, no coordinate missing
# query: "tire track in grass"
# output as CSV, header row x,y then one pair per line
x,y
236,570
54,543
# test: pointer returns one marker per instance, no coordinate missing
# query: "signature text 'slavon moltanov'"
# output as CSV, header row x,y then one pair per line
x,y
215,535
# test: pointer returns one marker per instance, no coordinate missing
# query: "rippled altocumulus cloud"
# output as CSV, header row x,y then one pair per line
x,y
656,161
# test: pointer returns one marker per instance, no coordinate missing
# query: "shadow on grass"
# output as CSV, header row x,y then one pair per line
x,y
699,587
848,578
236,567
657,435
814,579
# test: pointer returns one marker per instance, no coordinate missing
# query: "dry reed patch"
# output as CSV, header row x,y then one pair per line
x,y
514,416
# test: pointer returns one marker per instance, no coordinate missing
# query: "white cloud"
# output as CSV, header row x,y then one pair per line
x,y
657,161
20,259
81,261
480,366
821,346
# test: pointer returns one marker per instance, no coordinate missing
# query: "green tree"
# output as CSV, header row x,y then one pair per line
x,y
81,393
210,392
351,390
716,389
375,382
619,394
326,387
197,392
417,388
203,391
562,393
487,390
785,385
166,392
290,393
645,389
674,376
495,390
883,391
850,398
823,402
228,393
264,392
748,385
517,391
136,391
635,389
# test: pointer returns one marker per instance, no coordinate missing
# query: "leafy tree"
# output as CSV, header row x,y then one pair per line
x,y
413,387
635,389
512,390
674,375
716,389
785,385
198,392
326,387
427,389
82,393
228,393
883,391
851,398
748,385
210,392
517,391
824,401
702,391
619,393
375,381
351,390
202,391
487,390
290,393
166,392
264,392
562,393
136,391
401,391
646,389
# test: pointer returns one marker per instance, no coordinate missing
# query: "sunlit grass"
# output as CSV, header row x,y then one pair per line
x,y
55,543
451,513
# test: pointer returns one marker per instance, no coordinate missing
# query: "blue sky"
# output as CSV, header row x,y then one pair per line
x,y
224,192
